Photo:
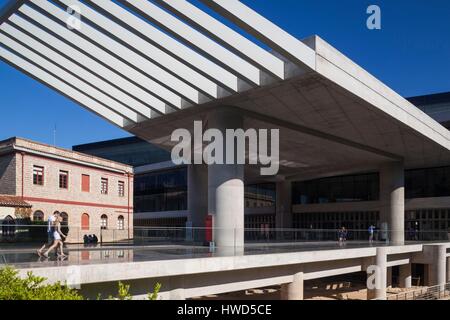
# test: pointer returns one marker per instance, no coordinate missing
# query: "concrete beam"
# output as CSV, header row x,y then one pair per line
x,y
132,84
266,31
226,36
63,88
189,35
136,66
77,70
62,74
163,66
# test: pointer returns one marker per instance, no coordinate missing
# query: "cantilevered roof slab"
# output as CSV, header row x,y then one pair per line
x,y
152,66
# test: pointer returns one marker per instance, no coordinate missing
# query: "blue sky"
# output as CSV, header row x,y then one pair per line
x,y
411,54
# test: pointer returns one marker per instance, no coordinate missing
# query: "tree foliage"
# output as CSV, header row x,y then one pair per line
x,y
13,287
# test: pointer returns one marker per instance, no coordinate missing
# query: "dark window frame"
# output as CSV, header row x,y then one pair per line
x,y
38,180
64,184
104,185
121,188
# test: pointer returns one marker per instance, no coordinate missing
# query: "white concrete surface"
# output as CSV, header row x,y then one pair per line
x,y
226,189
187,278
381,275
438,270
392,200
293,290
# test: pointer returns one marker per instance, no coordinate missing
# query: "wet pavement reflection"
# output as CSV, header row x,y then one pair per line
x,y
27,257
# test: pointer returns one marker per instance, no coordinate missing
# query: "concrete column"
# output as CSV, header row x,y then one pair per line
x,y
405,276
198,199
438,268
377,282
392,200
283,209
293,290
226,189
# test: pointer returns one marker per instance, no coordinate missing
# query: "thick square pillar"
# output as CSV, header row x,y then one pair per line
x,y
392,201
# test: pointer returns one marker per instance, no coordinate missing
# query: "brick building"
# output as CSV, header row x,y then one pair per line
x,y
94,195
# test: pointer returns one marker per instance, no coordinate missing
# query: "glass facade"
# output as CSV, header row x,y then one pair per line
x,y
357,222
427,183
427,224
337,189
419,183
259,227
161,191
260,195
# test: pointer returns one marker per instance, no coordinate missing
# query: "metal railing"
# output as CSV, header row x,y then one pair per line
x,y
31,233
439,292
19,243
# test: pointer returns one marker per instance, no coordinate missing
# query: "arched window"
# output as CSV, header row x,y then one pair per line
x,y
38,216
120,223
104,221
8,227
84,221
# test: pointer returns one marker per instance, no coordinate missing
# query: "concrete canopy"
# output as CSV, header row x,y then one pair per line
x,y
150,67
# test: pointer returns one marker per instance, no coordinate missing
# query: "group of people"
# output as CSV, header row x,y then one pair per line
x,y
90,239
343,234
54,237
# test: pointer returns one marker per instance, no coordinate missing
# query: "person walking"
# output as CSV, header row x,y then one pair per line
x,y
50,221
57,236
342,234
371,233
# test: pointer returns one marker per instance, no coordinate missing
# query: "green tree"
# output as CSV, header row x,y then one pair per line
x,y
12,287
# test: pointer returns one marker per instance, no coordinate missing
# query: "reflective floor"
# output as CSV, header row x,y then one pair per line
x,y
26,256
